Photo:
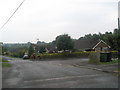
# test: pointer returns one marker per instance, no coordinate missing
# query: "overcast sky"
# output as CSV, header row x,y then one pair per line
x,y
46,19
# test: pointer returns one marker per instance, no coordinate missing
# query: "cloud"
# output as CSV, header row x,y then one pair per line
x,y
45,19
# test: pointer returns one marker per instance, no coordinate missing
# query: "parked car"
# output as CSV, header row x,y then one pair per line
x,y
25,57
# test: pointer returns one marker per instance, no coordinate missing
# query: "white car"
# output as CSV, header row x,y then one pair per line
x,y
25,57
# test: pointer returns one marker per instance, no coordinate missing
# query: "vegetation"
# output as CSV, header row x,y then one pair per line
x,y
5,60
6,65
41,49
64,54
113,39
30,50
64,42
112,62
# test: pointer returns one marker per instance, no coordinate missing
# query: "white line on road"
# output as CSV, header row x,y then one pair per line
x,y
61,78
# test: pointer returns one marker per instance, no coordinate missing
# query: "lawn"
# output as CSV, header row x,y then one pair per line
x,y
5,63
4,60
111,62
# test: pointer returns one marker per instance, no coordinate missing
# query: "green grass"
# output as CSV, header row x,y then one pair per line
x,y
111,62
6,65
5,61
0,59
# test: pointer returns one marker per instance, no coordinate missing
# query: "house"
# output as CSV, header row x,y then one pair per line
x,y
91,45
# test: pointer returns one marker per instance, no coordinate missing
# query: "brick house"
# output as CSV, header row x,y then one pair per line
x,y
91,45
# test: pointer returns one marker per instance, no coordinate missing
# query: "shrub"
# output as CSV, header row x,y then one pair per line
x,y
64,54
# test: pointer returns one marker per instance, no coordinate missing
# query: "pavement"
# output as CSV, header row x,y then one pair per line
x,y
60,73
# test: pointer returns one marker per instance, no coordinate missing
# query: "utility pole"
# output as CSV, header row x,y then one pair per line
x,y
119,15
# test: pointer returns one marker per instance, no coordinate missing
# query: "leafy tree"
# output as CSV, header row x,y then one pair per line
x,y
31,50
90,37
64,42
41,49
116,39
4,49
41,43
116,35
109,39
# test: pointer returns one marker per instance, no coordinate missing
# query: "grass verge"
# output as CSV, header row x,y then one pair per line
x,y
6,65
111,62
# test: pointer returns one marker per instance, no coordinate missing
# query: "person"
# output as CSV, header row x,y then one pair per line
x,y
33,56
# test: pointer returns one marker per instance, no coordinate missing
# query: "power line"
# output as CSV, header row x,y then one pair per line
x,y
12,14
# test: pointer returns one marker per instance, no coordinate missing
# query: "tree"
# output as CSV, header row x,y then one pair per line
x,y
64,42
91,37
116,35
31,50
41,49
4,50
109,39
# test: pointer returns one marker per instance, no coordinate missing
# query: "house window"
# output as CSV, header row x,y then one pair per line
x,y
105,48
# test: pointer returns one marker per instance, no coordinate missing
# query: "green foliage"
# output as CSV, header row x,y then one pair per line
x,y
0,50
112,39
90,36
112,62
30,50
6,65
116,35
17,54
64,55
64,42
41,49
17,51
40,43
5,61
3,50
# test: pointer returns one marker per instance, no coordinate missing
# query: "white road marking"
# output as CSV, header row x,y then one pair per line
x,y
60,78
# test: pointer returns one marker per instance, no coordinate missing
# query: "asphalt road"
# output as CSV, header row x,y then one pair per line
x,y
55,74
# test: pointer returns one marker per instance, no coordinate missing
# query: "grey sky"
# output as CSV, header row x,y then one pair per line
x,y
46,19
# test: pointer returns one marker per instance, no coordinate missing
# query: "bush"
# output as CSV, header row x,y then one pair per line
x,y
18,55
64,54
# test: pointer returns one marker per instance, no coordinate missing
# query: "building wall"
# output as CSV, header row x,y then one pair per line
x,y
101,47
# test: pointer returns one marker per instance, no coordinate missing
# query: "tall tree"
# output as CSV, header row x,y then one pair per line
x,y
64,42
41,49
31,50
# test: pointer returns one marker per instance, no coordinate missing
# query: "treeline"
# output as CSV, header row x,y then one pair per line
x,y
111,38
62,42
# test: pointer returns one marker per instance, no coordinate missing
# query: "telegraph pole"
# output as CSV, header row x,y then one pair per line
x,y
119,15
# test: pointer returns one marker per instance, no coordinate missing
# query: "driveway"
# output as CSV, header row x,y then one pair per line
x,y
55,74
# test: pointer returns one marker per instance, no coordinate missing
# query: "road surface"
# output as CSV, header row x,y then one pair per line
x,y
55,74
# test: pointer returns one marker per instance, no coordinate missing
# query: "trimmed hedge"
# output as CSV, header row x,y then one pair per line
x,y
65,54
